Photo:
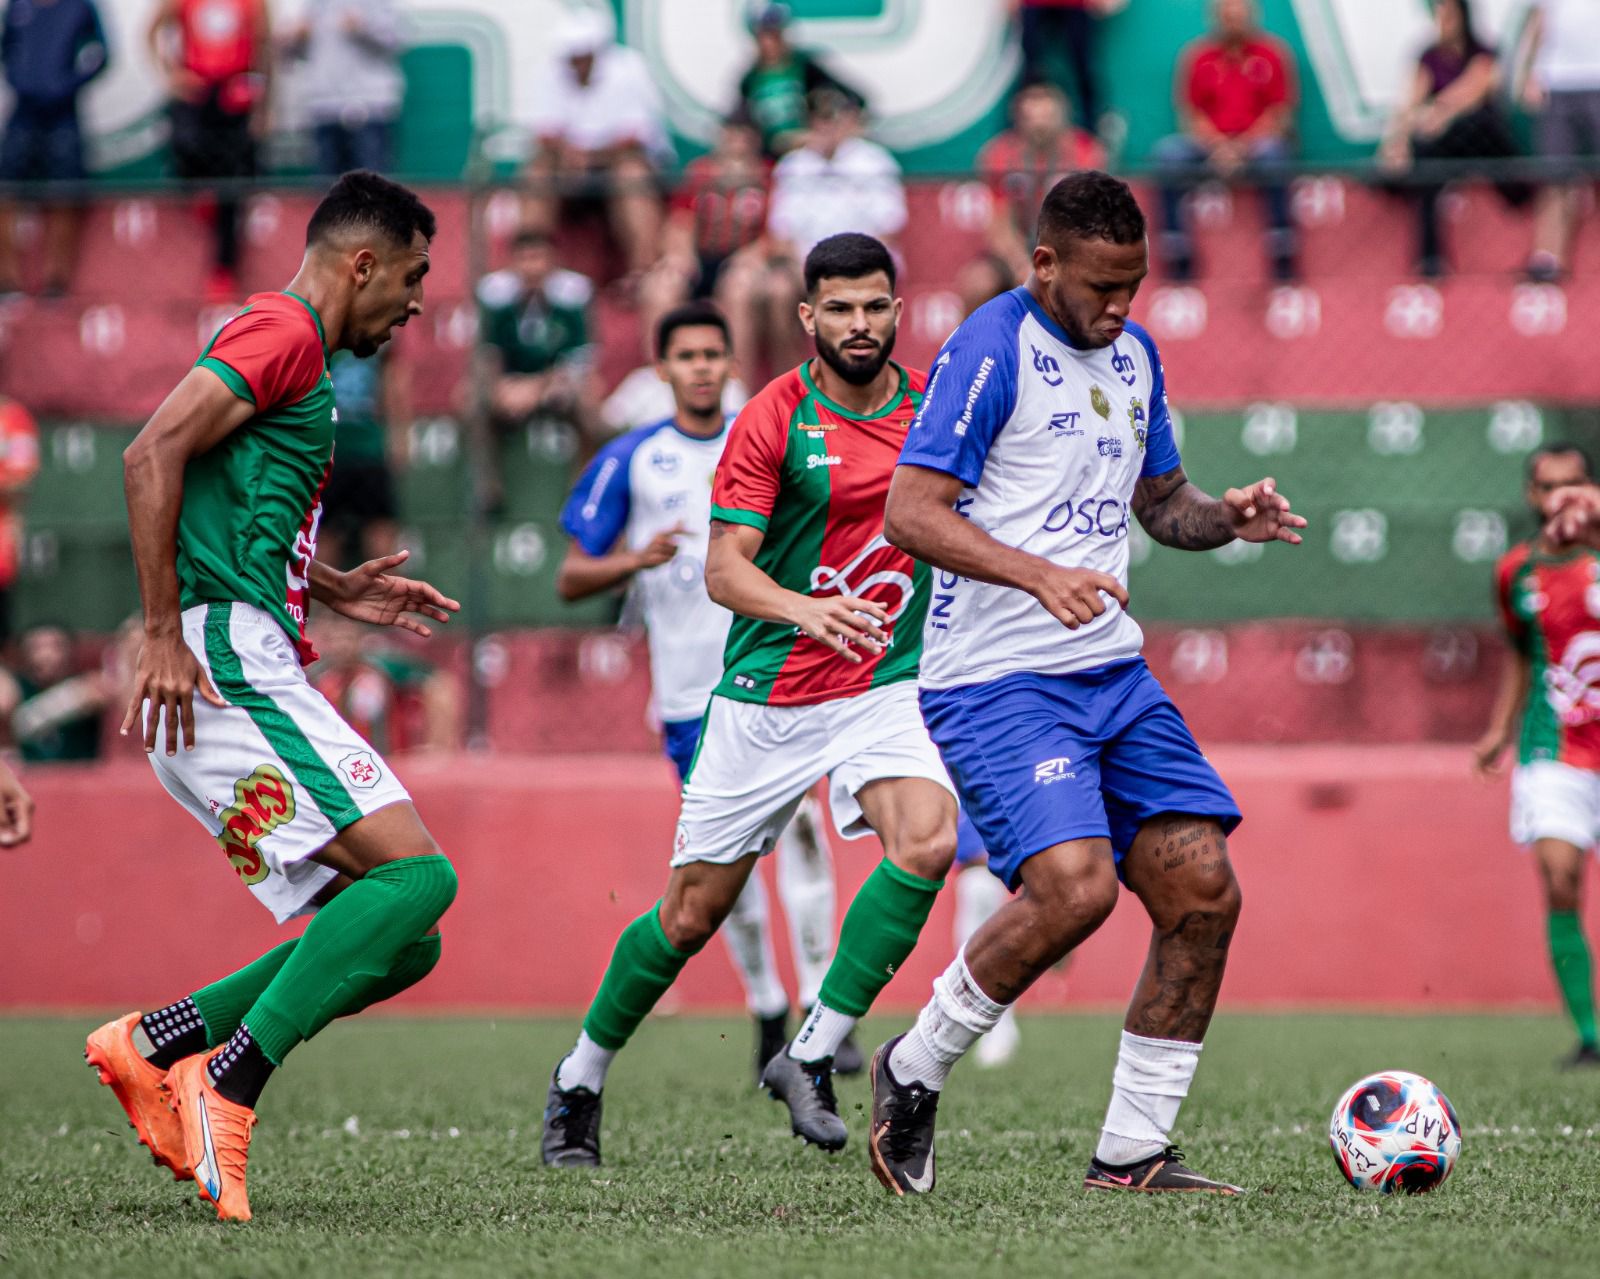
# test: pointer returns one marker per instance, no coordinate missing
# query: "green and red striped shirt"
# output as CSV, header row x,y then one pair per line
x,y
814,476
1550,605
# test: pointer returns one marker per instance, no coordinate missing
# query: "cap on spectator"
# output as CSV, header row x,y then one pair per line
x,y
770,17
583,32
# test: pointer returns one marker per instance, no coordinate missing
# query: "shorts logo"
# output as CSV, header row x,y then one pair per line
x,y
360,769
1053,770
262,802
680,841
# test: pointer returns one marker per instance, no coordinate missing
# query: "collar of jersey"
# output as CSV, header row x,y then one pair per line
x,y
315,318
1043,316
727,421
890,405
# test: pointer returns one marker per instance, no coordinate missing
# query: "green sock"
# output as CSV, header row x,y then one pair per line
x,y
879,931
410,966
643,966
351,946
1569,956
224,1003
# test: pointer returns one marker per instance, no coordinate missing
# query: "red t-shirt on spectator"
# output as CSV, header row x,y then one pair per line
x,y
1235,89
729,213
1020,174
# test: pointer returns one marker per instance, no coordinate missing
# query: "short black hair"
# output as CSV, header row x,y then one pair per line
x,y
849,256
688,316
532,237
1091,205
362,198
1558,448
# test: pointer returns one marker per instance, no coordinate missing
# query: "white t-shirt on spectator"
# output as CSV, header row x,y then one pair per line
x,y
619,104
643,397
1569,47
815,196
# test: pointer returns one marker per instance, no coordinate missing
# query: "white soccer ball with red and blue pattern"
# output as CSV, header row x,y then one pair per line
x,y
1395,1131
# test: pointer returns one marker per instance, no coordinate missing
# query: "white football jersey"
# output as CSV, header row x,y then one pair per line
x,y
638,485
1049,440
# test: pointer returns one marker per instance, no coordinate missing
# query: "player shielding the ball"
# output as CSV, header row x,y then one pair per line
x,y
1045,429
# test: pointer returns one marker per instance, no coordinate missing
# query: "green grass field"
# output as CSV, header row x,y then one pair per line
x,y
405,1147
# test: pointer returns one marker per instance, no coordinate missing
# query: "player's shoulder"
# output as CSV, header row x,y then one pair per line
x,y
776,400
277,313
1514,559
1141,335
622,448
997,321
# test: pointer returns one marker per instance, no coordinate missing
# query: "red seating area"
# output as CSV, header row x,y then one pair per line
x,y
1360,328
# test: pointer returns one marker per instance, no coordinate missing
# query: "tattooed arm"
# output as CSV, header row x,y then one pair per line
x,y
1176,513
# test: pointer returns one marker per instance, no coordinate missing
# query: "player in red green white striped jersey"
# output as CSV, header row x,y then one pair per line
x,y
819,680
224,489
1548,593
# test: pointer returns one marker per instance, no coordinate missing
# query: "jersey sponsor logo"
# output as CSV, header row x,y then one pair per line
x,y
814,460
1573,685
361,770
1138,421
1099,403
666,463
597,490
1048,772
1109,446
1065,425
825,579
1123,366
927,391
980,379
1100,516
1046,367
262,802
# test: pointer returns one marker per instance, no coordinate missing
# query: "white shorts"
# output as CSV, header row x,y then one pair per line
x,y
1555,801
756,763
276,773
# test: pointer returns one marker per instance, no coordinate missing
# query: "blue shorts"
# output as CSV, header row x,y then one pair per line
x,y
969,844
1041,759
680,738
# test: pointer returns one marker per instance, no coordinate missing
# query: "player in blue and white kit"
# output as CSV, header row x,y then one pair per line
x,y
641,515
1044,432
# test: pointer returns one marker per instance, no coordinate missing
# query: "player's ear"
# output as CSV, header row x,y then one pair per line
x,y
808,319
363,265
1045,262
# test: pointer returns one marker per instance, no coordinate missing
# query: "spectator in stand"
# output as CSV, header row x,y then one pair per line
x,y
838,181
49,49
217,56
718,212
52,707
1235,95
19,463
602,139
1020,165
533,332
1451,113
1563,38
352,83
359,512
781,82
1067,26
397,701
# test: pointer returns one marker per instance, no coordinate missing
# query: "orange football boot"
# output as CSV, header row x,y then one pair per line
x,y
216,1136
141,1090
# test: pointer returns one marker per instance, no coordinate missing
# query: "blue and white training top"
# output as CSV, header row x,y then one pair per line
x,y
641,484
1049,440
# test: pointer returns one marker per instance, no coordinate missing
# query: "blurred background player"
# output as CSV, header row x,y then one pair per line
x,y
1072,762
1545,589
640,517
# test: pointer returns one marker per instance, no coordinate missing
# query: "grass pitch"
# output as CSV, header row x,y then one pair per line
x,y
403,1147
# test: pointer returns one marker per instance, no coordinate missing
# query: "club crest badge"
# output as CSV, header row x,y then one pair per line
x,y
1099,402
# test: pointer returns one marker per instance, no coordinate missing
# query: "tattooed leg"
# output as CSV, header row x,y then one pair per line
x,y
1178,866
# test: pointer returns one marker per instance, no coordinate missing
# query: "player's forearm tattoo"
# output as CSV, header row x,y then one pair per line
x,y
1176,513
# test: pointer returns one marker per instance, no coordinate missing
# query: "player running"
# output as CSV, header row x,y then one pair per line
x,y
1545,591
817,682
641,514
224,496
1044,431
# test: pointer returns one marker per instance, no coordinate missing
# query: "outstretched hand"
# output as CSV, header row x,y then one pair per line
x,y
1572,514
370,592
1261,514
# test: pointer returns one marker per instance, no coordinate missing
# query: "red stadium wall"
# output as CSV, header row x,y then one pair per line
x,y
1373,877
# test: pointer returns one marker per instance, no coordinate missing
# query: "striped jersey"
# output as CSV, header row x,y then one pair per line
x,y
814,477
1550,605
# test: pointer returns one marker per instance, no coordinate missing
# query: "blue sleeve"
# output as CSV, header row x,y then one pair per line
x,y
1160,448
971,394
597,510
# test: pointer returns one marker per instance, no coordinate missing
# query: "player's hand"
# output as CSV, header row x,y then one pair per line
x,y
661,548
842,621
1572,514
1076,596
371,593
1488,754
167,676
16,810
1261,514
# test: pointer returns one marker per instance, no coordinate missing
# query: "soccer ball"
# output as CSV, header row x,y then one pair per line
x,y
1395,1131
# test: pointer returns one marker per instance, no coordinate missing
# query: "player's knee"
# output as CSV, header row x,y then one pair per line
x,y
1074,898
928,853
689,921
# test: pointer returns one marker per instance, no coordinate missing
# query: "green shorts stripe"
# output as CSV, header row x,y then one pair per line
x,y
327,792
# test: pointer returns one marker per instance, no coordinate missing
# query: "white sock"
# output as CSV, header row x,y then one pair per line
x,y
1151,1080
978,895
954,1019
822,1034
806,889
749,941
585,1066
